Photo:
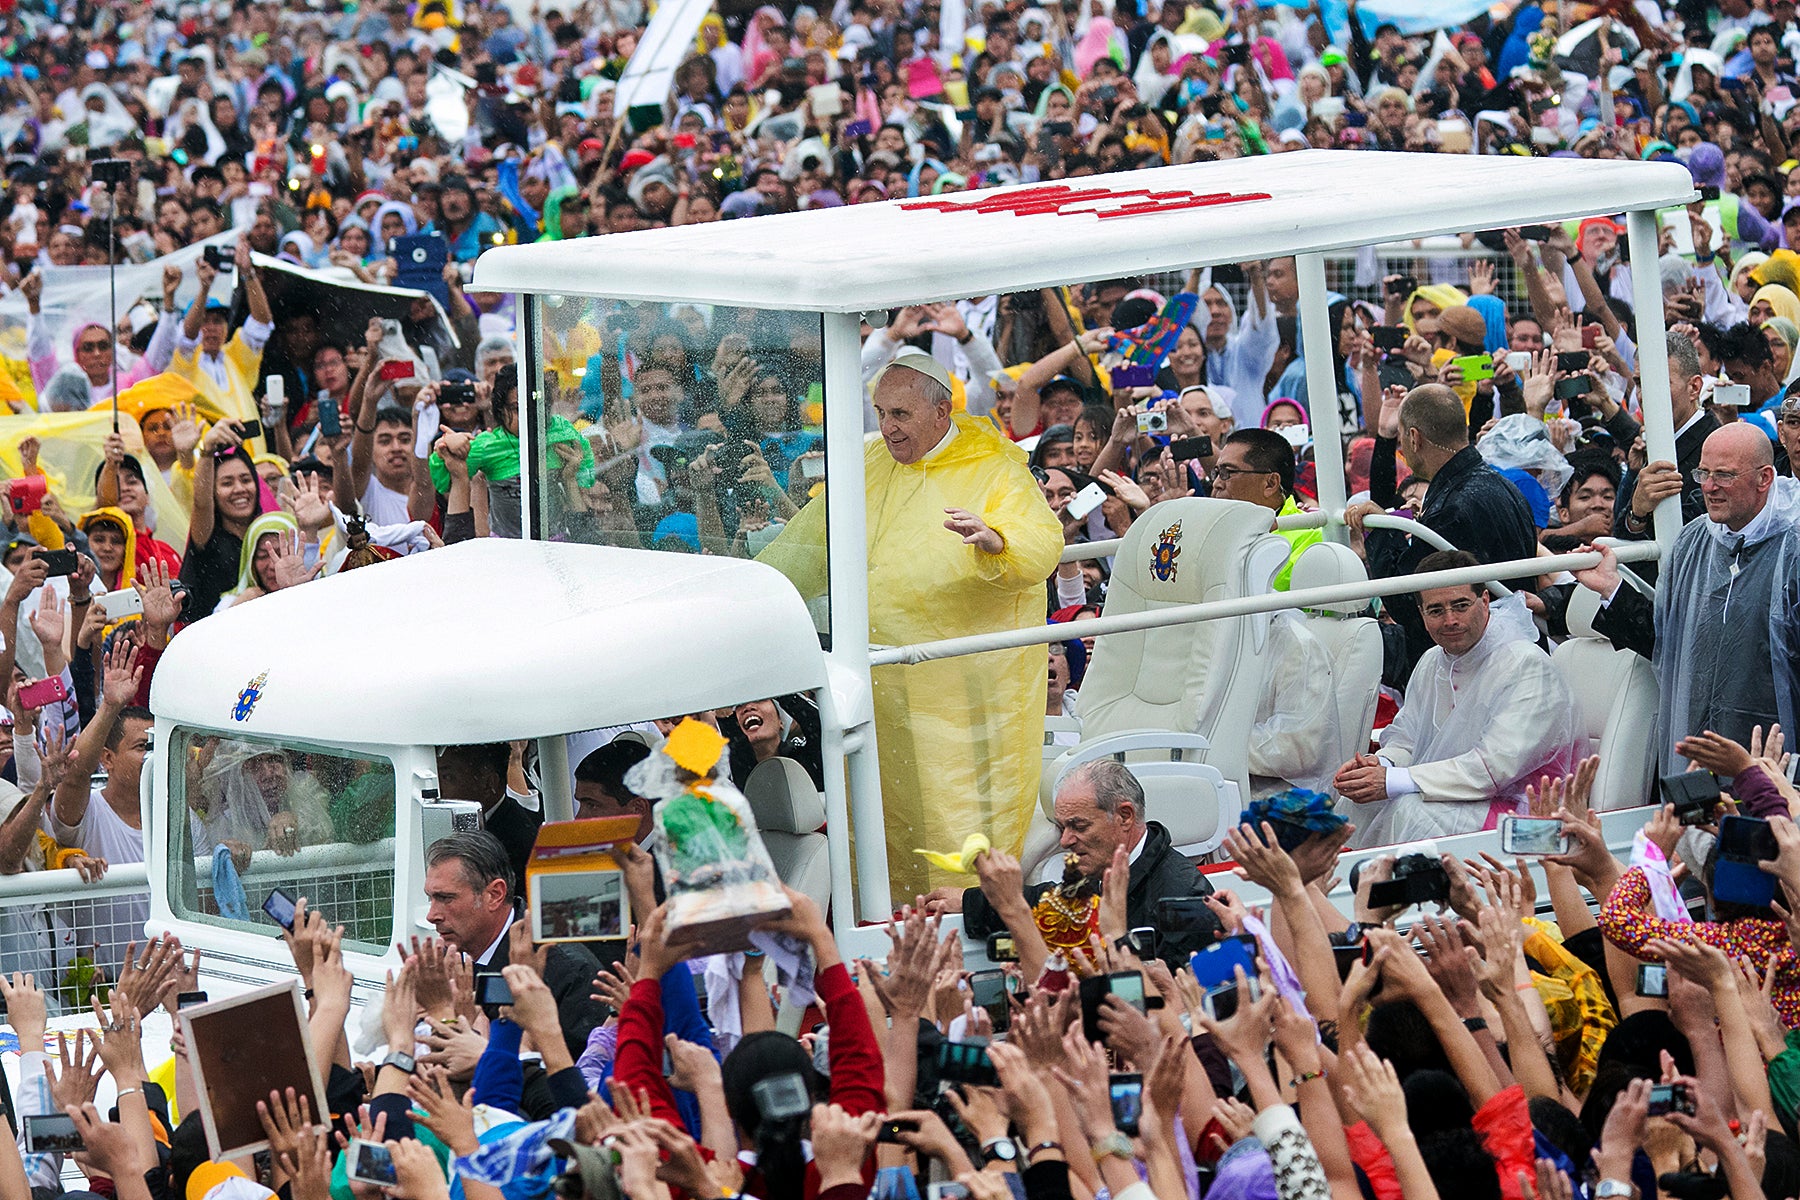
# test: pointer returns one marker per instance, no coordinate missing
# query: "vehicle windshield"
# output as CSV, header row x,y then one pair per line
x,y
682,428
249,816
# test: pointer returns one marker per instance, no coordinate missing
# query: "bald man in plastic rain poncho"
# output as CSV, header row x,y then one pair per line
x,y
960,542
1723,631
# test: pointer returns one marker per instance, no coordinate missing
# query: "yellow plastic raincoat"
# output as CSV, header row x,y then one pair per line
x,y
961,739
72,449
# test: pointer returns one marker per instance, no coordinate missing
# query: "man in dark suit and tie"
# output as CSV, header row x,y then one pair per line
x,y
474,902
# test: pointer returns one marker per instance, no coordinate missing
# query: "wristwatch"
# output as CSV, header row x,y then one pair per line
x,y
1613,1189
999,1149
400,1062
1113,1145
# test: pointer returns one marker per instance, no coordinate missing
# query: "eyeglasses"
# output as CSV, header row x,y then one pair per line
x,y
1437,612
94,347
1702,476
1227,474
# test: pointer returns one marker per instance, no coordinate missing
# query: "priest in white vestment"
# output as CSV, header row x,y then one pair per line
x,y
1484,715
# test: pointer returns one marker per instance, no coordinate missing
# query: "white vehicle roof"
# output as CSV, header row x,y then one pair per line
x,y
494,640
872,256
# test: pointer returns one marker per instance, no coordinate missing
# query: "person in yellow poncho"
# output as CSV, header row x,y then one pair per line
x,y
960,542
222,365
112,538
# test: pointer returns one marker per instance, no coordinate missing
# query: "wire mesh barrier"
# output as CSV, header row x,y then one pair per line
x,y
348,885
1359,275
72,936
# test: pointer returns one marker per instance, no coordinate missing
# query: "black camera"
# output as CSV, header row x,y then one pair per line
x,y
1695,795
111,172
218,258
1416,879
457,393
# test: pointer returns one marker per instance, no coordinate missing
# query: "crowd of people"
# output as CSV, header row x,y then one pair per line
x,y
1612,1045
1607,1047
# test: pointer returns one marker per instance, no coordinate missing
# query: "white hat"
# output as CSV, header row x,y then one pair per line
x,y
914,359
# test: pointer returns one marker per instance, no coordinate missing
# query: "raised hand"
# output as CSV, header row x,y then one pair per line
x,y
151,582
26,1010
311,510
185,432
73,1081
1262,861
145,981
49,621
1086,1081
1372,1087
612,986
287,561
445,1111
1713,751
283,1117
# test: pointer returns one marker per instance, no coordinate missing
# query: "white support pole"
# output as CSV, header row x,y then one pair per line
x,y
1653,364
555,777
533,418
846,523
1316,339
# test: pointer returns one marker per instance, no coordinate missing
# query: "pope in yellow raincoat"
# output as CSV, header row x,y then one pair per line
x,y
960,542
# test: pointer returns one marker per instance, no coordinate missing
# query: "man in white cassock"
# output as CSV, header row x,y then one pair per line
x,y
1483,716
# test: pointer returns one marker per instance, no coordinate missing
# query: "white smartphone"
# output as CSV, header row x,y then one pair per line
x,y
1086,501
1519,361
371,1163
125,602
1532,836
1735,394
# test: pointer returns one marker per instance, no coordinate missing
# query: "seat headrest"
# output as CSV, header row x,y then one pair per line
x,y
1584,606
782,797
1177,551
1324,564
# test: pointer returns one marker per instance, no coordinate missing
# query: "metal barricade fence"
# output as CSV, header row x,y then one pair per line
x,y
349,885
71,936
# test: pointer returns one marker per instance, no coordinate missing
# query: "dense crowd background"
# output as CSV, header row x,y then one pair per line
x,y
278,162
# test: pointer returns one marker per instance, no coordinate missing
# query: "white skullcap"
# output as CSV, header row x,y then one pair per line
x,y
914,359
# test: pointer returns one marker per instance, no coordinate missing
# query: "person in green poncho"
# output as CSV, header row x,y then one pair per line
x,y
494,456
565,215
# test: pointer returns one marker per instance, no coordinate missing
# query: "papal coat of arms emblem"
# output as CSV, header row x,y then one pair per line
x,y
1164,554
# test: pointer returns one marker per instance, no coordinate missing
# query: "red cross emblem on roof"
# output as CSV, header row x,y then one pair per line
x,y
1068,200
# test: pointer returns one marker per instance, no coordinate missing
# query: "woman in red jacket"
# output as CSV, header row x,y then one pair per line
x,y
857,1080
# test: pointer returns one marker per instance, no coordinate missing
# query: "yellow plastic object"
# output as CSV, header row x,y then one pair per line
x,y
72,447
962,862
960,739
695,746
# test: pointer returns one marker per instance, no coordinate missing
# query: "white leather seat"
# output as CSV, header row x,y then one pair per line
x,y
789,813
1353,642
1616,697
1176,703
